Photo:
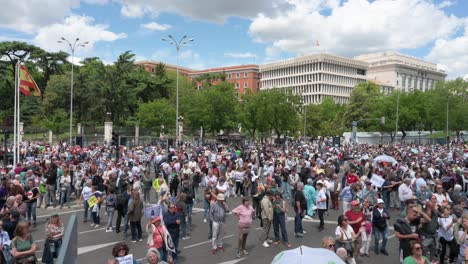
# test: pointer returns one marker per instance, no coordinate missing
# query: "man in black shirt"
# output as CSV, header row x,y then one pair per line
x,y
300,208
405,229
32,193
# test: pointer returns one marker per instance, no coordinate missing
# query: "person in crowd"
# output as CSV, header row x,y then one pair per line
x,y
23,247
218,212
321,204
310,194
245,214
429,227
355,218
10,223
154,257
54,232
19,205
442,197
110,203
65,189
345,236
279,220
404,193
121,249
405,230
183,210
335,188
135,213
346,196
86,193
380,217
147,183
123,196
267,217
51,184
156,237
5,246
416,256
446,234
328,243
172,220
32,193
300,208
96,209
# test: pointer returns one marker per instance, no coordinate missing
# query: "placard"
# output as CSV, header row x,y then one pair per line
x,y
152,211
126,259
377,181
92,201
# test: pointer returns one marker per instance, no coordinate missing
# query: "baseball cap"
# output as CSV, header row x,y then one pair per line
x,y
355,202
379,201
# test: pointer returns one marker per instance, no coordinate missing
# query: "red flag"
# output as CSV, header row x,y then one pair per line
x,y
27,84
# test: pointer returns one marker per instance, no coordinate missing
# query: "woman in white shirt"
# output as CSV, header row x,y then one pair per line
x,y
442,198
65,188
321,203
445,233
345,237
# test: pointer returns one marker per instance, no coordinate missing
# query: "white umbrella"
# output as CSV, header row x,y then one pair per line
x,y
305,254
385,158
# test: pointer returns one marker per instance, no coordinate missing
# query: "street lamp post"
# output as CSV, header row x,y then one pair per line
x,y
447,121
177,44
397,112
73,46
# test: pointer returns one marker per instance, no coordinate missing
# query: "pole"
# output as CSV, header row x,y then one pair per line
x,y
18,116
396,120
15,114
177,99
447,122
305,121
71,97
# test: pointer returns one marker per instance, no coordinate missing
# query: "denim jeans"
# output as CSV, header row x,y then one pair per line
x,y
183,226
380,234
110,216
163,254
126,226
65,196
176,246
189,216
206,208
279,222
96,215
32,211
146,194
298,223
85,207
196,194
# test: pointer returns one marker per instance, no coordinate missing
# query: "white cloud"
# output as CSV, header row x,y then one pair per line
x,y
96,2
28,16
353,27
81,27
452,54
445,4
156,26
245,55
205,10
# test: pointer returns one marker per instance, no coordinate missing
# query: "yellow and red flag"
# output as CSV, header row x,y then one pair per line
x,y
27,85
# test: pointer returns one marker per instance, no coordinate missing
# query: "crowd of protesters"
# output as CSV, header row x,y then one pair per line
x,y
425,184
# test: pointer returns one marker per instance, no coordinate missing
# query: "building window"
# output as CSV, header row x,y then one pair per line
x,y
246,85
237,75
237,85
246,74
361,72
229,76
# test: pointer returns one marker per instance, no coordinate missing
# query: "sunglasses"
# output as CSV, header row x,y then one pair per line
x,y
331,246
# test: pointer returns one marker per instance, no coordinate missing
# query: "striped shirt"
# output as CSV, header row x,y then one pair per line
x,y
218,212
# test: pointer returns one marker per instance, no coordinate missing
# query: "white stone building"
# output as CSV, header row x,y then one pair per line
x,y
315,76
401,71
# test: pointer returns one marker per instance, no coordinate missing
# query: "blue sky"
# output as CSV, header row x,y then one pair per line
x,y
230,32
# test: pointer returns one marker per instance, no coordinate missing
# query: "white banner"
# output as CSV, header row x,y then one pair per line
x,y
126,259
152,211
377,181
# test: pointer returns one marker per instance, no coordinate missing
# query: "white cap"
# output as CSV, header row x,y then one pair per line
x,y
379,201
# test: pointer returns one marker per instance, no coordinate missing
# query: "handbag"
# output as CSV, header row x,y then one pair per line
x,y
348,245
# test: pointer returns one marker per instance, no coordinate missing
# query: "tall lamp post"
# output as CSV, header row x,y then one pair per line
x,y
73,46
397,112
177,44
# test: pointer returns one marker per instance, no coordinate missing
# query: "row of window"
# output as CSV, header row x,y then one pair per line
x,y
416,83
313,67
311,78
246,85
237,75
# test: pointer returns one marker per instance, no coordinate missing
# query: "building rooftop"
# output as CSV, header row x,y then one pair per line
x,y
315,58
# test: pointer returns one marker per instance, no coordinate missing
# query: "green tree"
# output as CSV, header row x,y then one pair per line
x,y
362,103
156,113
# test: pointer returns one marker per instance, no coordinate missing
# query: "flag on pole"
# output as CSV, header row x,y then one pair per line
x,y
27,85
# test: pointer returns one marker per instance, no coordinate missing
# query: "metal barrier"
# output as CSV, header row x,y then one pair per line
x,y
69,249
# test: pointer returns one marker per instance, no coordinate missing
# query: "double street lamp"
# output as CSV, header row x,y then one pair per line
x,y
73,46
177,44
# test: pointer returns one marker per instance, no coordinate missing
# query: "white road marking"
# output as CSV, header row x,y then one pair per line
x,y
205,242
232,261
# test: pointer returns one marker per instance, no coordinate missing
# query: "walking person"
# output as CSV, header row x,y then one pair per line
x,y
345,237
135,212
267,217
86,193
218,212
380,216
446,234
245,214
279,220
122,197
156,237
54,231
96,209
321,199
172,220
147,183
300,208
51,184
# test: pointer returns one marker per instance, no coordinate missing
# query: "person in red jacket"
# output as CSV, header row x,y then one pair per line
x,y
355,218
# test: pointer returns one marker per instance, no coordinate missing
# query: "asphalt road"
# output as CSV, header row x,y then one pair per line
x,y
95,245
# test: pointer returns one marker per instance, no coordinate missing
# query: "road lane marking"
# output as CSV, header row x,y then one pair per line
x,y
205,242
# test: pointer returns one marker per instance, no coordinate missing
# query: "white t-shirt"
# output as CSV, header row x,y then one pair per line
x,y
321,196
348,233
87,193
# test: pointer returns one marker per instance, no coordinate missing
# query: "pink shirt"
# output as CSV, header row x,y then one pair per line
x,y
245,215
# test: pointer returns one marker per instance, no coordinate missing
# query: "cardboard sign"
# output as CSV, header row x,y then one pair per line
x,y
377,181
92,201
126,259
152,211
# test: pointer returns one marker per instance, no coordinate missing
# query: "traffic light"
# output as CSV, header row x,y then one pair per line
x,y
115,139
